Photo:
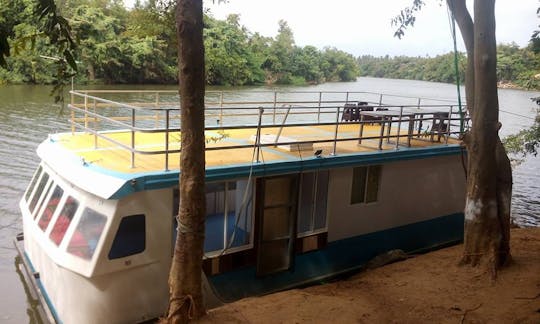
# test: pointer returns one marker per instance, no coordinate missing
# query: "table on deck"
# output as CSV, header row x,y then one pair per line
x,y
387,116
437,126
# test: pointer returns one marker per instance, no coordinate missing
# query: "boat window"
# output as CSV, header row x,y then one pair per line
x,y
50,208
312,202
85,239
130,238
45,196
64,220
365,184
39,190
372,183
33,183
228,215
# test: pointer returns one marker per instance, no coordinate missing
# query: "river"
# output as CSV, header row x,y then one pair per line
x,y
27,115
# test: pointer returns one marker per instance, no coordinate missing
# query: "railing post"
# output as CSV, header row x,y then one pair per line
x,y
221,108
398,126
132,138
157,107
380,99
275,103
336,131
319,108
282,125
258,136
95,125
72,113
419,123
85,113
449,125
167,139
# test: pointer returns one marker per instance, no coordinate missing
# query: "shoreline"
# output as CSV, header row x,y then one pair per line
x,y
426,288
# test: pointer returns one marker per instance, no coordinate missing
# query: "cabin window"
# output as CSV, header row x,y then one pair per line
x,y
228,215
85,239
312,202
50,208
44,198
365,184
130,238
39,191
33,183
64,220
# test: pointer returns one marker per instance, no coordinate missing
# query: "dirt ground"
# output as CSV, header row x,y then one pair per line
x,y
429,288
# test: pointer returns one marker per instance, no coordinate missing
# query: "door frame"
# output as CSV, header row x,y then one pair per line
x,y
259,219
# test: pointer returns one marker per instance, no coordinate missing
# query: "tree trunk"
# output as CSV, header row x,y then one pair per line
x,y
91,72
186,300
487,207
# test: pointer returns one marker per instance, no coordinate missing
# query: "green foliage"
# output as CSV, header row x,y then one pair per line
x,y
406,18
525,142
40,24
229,58
516,66
534,43
116,45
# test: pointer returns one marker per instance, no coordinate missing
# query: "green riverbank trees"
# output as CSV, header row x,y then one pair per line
x,y
515,66
139,45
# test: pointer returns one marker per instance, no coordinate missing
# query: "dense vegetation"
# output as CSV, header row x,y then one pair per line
x,y
138,45
117,45
515,66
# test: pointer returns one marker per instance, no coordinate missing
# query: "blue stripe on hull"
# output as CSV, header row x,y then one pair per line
x,y
342,256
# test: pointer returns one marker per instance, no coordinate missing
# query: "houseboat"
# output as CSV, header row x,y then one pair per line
x,y
300,187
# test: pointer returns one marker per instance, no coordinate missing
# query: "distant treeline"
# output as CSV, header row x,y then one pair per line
x,y
515,67
138,45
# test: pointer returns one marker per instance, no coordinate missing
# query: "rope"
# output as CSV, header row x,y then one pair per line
x,y
247,190
456,65
183,299
463,163
515,114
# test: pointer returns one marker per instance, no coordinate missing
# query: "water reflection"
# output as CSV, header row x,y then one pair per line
x,y
32,302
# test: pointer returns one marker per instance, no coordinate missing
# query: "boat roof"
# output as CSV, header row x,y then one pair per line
x,y
126,141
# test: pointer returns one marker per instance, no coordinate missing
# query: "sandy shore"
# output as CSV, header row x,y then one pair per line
x,y
429,288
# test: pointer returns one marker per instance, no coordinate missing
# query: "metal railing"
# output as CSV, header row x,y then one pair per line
x,y
157,112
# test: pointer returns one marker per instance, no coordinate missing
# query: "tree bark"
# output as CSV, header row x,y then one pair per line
x,y
91,72
186,301
489,181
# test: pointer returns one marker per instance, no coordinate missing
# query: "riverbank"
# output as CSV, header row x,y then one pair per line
x,y
429,288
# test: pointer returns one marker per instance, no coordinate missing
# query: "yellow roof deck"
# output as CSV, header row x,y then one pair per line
x,y
103,152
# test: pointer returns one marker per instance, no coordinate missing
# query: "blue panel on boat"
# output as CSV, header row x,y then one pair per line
x,y
341,257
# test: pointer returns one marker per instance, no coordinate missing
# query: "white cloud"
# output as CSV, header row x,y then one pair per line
x,y
363,27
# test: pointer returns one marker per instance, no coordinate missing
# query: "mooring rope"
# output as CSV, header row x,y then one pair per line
x,y
456,65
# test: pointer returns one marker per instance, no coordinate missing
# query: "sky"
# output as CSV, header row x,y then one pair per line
x,y
362,27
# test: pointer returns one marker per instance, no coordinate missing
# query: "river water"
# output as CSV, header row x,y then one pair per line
x,y
27,115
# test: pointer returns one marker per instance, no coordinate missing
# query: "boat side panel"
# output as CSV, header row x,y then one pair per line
x,y
409,192
340,257
157,206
